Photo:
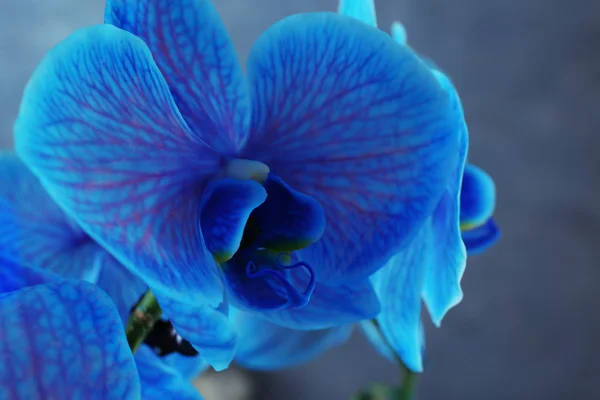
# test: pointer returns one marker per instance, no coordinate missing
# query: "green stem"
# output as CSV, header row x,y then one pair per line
x,y
141,320
409,382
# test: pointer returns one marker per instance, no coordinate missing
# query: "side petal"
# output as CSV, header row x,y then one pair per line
x,y
346,116
477,197
160,381
483,237
15,276
399,284
331,306
34,231
207,329
98,126
227,204
442,289
192,49
64,341
362,10
263,345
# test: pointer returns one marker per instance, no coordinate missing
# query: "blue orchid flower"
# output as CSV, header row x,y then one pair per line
x,y
279,193
438,253
61,340
36,233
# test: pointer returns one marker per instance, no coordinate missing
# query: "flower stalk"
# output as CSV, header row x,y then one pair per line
x,y
144,314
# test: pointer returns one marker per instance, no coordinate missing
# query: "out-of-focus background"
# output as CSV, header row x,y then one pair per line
x,y
528,72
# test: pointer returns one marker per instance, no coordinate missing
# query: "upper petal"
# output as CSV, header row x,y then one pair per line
x,y
346,116
192,49
64,341
264,345
34,231
363,10
98,126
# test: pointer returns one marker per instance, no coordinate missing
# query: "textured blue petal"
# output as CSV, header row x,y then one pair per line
x,y
98,125
207,329
477,197
399,284
363,10
160,381
34,231
192,49
442,289
346,116
226,207
64,341
287,220
399,33
267,346
331,306
481,238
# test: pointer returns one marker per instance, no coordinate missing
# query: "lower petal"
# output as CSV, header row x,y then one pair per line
x,y
160,381
448,258
399,284
331,306
63,341
479,239
207,329
264,345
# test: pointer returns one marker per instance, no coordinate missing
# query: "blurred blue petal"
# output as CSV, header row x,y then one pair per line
x,y
331,306
34,231
99,127
266,346
362,10
479,239
64,341
207,329
346,116
375,337
398,33
399,285
227,204
192,49
14,276
477,197
160,381
287,220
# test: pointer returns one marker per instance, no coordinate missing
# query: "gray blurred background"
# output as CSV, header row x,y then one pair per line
x,y
528,72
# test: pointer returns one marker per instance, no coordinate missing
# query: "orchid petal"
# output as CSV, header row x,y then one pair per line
x,y
227,204
267,346
287,220
98,126
346,116
160,381
34,231
399,284
206,328
64,341
362,10
192,49
399,33
331,306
